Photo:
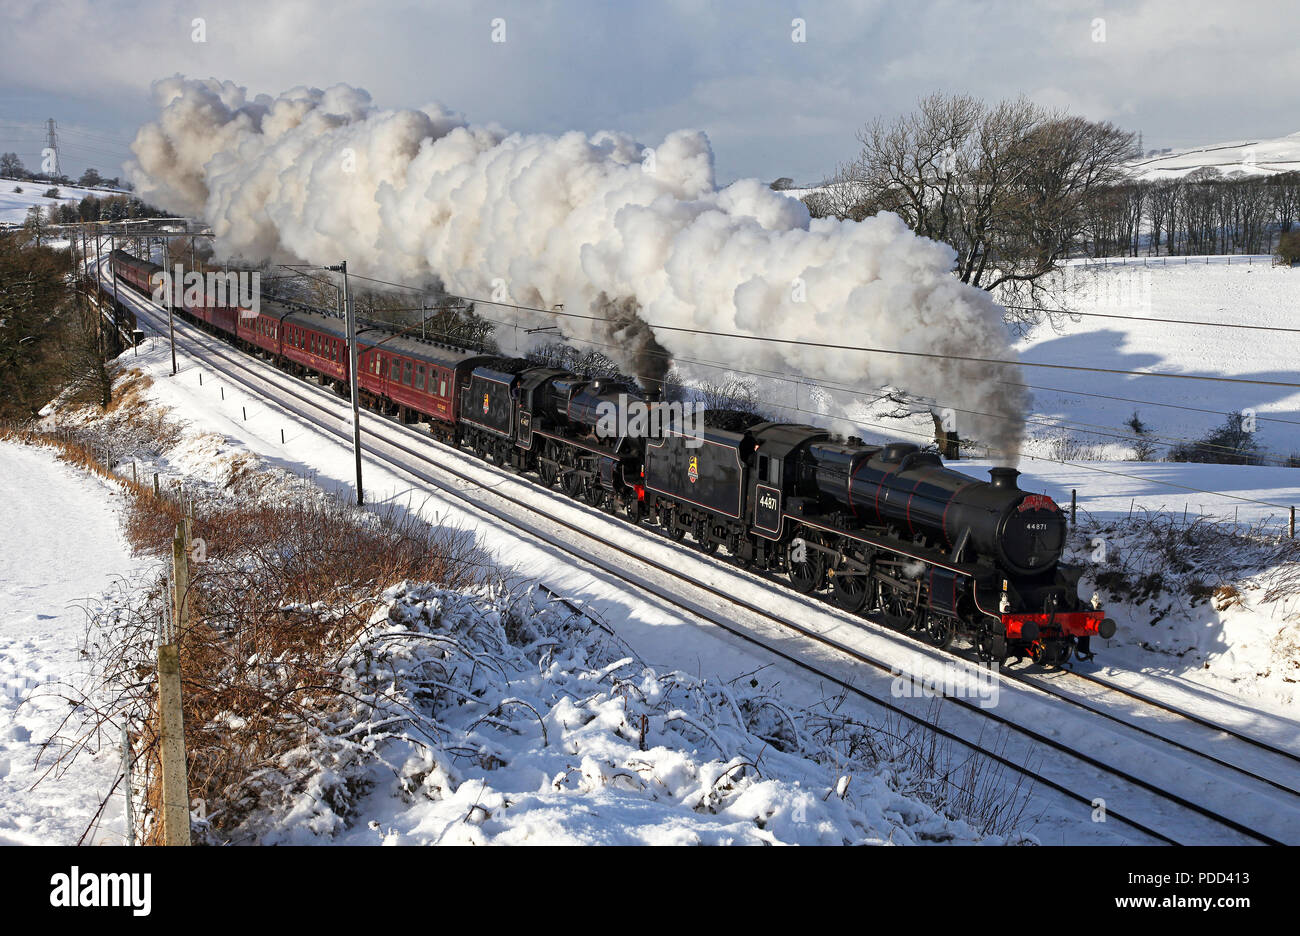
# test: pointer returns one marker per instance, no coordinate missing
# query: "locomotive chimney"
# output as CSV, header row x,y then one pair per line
x,y
1004,478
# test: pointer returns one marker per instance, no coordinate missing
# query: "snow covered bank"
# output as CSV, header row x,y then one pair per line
x,y
491,718
1215,603
61,547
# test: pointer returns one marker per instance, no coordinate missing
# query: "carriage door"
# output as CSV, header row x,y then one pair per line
x,y
767,496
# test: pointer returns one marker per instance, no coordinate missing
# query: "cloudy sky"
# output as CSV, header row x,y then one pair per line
x,y
1183,72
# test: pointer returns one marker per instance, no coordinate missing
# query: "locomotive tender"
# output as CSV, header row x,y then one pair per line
x,y
884,530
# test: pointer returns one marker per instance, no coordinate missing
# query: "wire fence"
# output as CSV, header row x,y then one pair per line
x,y
1178,260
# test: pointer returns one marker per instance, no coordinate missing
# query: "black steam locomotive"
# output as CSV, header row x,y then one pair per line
x,y
884,530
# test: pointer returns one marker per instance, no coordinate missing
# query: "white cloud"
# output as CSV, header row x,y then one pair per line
x,y
1195,71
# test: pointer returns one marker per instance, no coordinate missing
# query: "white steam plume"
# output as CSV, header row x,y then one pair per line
x,y
600,224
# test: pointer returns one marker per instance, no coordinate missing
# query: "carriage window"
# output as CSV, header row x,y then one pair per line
x,y
395,373
419,377
442,388
406,373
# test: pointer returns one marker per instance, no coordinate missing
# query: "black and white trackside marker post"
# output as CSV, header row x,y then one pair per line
x,y
351,319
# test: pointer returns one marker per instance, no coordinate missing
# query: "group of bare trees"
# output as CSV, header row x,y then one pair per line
x,y
92,208
1009,186
11,167
1016,188
1202,213
51,338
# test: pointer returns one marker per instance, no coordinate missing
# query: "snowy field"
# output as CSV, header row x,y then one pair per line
x,y
569,768
1139,656
1244,651
14,205
1240,300
1245,157
61,548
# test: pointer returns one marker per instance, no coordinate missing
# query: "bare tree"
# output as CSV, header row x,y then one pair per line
x,y
88,376
841,196
36,224
1007,186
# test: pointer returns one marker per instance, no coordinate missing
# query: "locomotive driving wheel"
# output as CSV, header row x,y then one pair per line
x,y
671,526
852,592
547,471
939,630
808,574
894,606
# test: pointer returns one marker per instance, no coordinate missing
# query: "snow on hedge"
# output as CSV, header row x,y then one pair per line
x,y
485,717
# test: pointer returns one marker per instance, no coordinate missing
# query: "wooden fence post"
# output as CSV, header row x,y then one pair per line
x,y
129,811
175,774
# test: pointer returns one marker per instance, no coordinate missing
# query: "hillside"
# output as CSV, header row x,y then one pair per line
x,y
14,205
1261,157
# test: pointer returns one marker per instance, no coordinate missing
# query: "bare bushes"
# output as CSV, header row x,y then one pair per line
x,y
279,593
1158,555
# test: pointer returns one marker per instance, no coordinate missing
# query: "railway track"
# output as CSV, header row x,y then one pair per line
x,y
1088,771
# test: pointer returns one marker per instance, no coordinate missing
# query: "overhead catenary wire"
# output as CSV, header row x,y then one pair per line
x,y
1194,409
1163,321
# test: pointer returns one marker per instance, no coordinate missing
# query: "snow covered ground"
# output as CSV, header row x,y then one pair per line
x,y
1241,300
61,548
14,205
1244,157
1233,651
1259,157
